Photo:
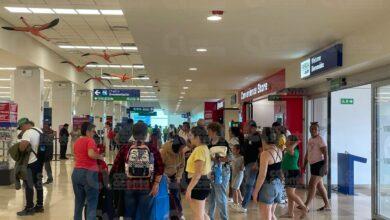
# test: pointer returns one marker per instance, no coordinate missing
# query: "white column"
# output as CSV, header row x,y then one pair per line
x,y
99,113
83,102
27,91
63,106
110,108
117,113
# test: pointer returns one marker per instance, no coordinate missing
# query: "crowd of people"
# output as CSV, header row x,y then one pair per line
x,y
252,164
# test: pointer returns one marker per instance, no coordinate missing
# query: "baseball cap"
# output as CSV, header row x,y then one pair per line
x,y
252,123
22,122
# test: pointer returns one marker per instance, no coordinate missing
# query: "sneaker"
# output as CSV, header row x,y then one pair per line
x,y
26,212
241,209
39,209
230,200
48,182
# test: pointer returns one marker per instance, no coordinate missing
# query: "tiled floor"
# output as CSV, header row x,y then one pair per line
x,y
59,202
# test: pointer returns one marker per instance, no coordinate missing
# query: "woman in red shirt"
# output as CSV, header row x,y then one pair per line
x,y
85,174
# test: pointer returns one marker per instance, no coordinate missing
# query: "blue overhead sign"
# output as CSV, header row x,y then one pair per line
x,y
323,61
116,94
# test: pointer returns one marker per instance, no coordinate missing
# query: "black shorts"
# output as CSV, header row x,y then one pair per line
x,y
291,178
202,189
317,169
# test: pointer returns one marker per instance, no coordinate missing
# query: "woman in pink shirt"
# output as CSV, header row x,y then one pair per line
x,y
317,156
85,174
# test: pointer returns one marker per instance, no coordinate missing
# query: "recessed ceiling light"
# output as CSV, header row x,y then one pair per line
x,y
5,79
18,9
188,80
111,12
5,92
201,50
65,11
193,69
5,87
130,48
216,15
114,48
149,99
180,100
147,92
132,86
66,46
181,97
41,10
98,47
140,78
185,87
47,80
182,93
138,66
88,11
82,47
7,68
149,96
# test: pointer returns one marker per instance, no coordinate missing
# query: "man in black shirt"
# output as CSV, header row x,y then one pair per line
x,y
64,139
251,152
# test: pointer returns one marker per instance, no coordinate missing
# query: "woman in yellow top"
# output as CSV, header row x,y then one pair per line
x,y
198,167
281,135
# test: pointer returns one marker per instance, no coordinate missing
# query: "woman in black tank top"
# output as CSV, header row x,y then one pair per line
x,y
269,188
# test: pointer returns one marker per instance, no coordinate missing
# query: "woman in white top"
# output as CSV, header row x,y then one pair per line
x,y
317,156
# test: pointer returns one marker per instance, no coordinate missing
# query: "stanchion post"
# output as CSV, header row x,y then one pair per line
x,y
55,149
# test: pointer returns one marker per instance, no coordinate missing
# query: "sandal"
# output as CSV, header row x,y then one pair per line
x,y
303,208
286,216
325,209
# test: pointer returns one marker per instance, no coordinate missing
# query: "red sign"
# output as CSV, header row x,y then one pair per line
x,y
78,121
8,107
263,87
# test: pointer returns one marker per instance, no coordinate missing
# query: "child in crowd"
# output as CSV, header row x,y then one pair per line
x,y
237,178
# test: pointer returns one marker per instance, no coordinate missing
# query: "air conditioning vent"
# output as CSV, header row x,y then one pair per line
x,y
119,28
128,44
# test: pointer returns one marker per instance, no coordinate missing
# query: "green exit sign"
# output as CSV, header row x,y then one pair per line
x,y
347,101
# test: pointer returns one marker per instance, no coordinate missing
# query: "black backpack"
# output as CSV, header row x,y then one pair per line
x,y
45,141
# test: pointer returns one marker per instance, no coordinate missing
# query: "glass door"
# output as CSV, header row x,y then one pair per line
x,y
381,149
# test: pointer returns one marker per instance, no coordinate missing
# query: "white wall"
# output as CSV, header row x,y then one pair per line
x,y
197,113
263,113
351,130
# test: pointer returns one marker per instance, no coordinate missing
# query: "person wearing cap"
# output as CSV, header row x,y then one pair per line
x,y
64,139
172,155
31,138
251,152
51,134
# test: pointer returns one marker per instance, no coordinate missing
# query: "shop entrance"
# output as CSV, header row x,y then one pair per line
x,y
351,130
263,113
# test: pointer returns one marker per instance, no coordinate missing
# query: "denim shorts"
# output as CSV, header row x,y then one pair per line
x,y
237,180
271,192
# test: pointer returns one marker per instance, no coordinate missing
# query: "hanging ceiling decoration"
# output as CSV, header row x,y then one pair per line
x,y
34,29
79,69
105,55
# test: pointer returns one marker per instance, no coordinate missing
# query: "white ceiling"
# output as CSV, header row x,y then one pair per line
x,y
81,30
255,38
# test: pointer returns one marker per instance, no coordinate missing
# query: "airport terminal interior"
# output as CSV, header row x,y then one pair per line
x,y
207,109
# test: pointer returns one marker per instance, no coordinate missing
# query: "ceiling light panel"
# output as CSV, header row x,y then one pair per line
x,y
111,12
65,11
41,10
193,69
201,50
88,11
18,9
7,68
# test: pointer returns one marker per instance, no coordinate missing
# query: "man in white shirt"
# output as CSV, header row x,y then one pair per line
x,y
31,137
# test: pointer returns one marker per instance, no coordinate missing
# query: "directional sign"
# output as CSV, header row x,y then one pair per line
x,y
141,109
116,94
147,113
